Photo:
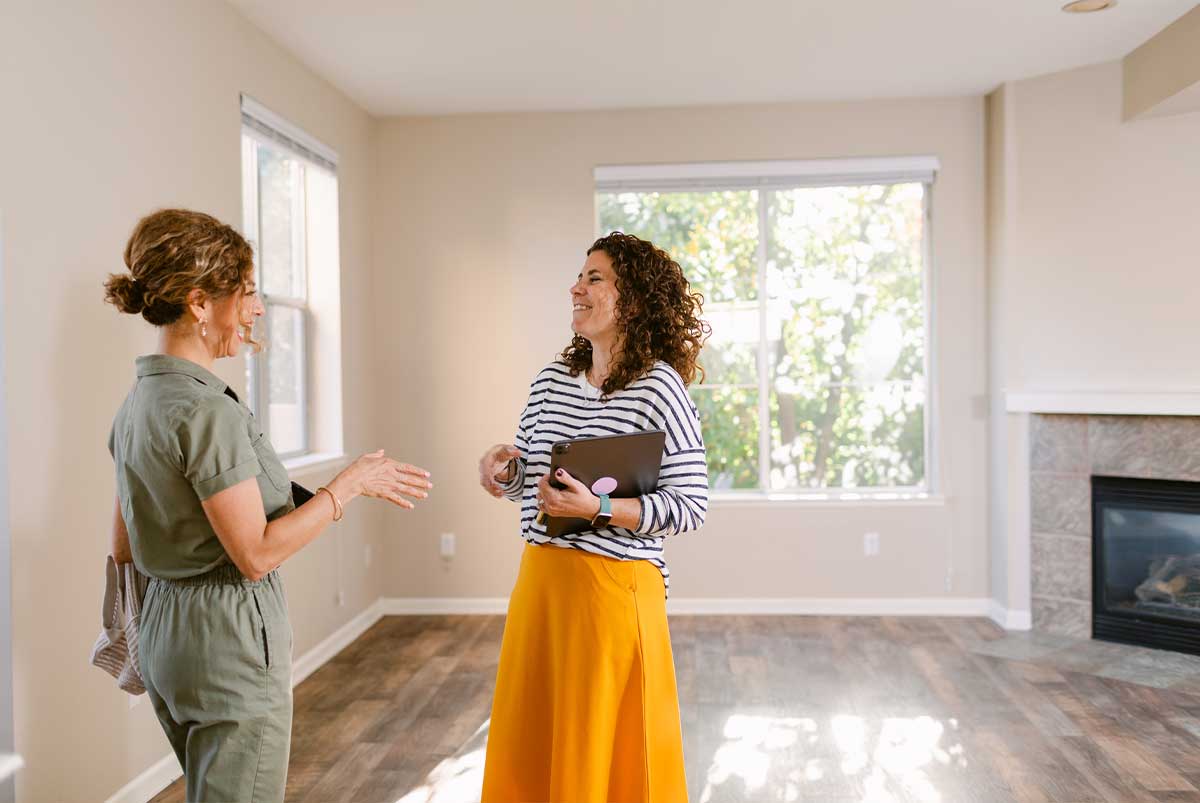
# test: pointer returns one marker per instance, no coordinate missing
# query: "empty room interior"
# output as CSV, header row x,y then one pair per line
x,y
639,402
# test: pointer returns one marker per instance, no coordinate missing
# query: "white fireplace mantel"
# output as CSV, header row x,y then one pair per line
x,y
1104,402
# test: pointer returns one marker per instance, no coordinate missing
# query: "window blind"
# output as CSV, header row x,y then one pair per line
x,y
275,129
766,174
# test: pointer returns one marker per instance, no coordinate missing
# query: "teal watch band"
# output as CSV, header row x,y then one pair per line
x,y
605,515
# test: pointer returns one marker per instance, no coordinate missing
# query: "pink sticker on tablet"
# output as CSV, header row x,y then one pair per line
x,y
604,485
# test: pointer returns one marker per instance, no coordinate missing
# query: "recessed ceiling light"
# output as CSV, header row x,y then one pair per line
x,y
1084,6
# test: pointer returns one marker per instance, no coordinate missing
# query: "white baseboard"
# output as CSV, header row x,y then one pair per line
x,y
832,606
432,606
933,606
1009,620
166,770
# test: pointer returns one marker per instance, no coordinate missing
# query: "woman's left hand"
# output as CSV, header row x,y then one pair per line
x,y
574,501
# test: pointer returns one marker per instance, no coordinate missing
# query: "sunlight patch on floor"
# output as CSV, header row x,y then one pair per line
x,y
457,779
749,743
788,758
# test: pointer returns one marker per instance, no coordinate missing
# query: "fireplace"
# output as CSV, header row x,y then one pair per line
x,y
1146,562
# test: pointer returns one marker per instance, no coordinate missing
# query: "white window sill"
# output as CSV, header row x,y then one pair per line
x,y
305,464
825,500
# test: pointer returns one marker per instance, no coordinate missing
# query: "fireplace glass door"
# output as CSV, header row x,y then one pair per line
x,y
1146,562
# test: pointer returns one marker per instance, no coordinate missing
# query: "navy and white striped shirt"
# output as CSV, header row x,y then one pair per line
x,y
562,407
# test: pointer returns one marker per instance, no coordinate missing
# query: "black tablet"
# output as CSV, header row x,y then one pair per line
x,y
623,466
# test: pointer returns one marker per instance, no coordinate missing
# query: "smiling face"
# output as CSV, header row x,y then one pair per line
x,y
230,321
594,300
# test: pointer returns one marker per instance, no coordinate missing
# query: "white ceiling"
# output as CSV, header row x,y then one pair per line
x,y
457,56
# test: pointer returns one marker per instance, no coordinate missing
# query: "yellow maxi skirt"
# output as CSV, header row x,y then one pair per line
x,y
586,708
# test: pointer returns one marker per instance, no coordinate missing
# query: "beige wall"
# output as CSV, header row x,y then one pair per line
x,y
111,110
482,223
999,146
1100,286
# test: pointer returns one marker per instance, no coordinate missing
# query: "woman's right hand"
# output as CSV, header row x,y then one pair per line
x,y
382,477
494,461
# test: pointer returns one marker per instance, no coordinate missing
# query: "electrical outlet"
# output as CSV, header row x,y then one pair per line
x,y
367,556
447,545
870,544
341,598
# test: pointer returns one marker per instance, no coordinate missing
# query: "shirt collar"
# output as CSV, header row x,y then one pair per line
x,y
152,364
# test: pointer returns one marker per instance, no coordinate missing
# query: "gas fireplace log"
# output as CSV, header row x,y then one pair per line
x,y
1169,578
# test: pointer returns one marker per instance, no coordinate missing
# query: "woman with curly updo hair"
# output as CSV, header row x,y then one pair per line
x,y
205,510
585,707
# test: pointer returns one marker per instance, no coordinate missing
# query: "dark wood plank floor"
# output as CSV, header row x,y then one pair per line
x,y
775,708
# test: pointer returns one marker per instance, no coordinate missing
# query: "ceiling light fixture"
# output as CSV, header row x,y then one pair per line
x,y
1086,6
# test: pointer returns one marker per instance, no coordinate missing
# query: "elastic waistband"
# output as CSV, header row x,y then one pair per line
x,y
224,575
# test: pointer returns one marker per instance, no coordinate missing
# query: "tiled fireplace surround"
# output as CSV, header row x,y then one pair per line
x,y
1065,451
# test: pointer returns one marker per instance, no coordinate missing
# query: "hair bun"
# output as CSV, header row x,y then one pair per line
x,y
125,293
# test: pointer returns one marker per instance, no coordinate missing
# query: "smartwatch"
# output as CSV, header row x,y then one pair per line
x,y
605,515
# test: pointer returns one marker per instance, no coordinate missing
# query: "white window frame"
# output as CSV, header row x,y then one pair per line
x,y
262,127
784,175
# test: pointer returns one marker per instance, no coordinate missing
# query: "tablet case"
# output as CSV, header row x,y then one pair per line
x,y
300,494
624,466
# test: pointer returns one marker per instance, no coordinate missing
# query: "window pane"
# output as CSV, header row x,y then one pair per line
x,y
285,369
712,235
281,223
729,421
877,438
727,363
846,336
730,356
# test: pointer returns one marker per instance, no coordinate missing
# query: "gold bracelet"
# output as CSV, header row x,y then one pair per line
x,y
337,503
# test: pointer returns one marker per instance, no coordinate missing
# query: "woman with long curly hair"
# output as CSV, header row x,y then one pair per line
x,y
585,707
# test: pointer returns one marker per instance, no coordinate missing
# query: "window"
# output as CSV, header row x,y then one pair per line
x,y
289,183
815,283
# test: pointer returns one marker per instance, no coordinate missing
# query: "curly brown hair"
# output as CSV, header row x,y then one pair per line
x,y
657,315
170,253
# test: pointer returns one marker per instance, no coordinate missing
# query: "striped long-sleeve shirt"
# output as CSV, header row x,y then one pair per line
x,y
562,407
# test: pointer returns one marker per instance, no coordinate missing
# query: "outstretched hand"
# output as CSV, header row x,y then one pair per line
x,y
375,475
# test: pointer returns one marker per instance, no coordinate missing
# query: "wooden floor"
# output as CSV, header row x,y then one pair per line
x,y
775,708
